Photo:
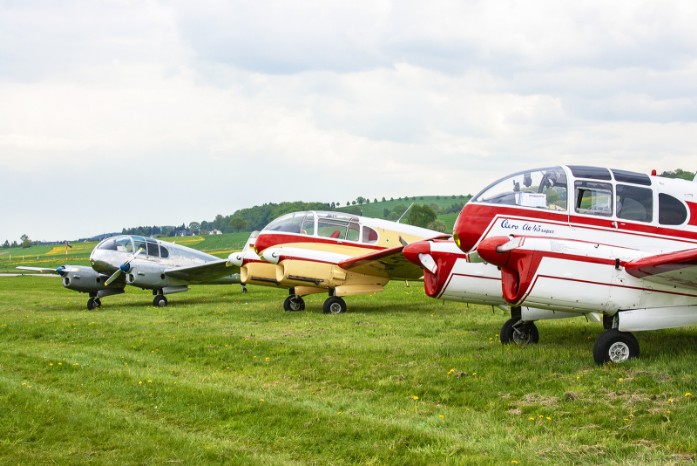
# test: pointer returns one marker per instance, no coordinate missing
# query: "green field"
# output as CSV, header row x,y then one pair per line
x,y
224,377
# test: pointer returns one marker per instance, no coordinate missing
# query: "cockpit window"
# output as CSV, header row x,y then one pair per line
x,y
542,189
593,198
634,203
122,244
290,223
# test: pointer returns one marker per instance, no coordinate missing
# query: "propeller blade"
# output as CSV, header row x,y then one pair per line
x,y
428,262
113,277
125,267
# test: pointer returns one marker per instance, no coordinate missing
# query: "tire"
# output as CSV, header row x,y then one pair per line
x,y
615,346
91,304
518,332
294,303
334,305
159,301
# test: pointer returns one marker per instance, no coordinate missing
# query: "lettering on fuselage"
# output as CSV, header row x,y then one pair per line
x,y
512,225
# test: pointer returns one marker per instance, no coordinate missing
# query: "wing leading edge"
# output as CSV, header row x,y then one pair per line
x,y
674,268
389,263
210,272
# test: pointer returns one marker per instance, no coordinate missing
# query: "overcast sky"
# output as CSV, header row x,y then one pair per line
x,y
124,113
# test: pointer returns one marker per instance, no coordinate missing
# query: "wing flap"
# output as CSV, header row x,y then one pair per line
x,y
389,263
210,272
674,268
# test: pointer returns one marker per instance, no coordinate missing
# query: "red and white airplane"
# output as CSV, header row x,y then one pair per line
x,y
328,252
579,240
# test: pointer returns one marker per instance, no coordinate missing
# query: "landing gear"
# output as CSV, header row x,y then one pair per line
x,y
93,303
294,303
159,301
519,332
615,346
334,305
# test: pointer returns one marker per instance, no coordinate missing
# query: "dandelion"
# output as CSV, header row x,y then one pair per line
x,y
415,397
670,400
140,382
451,371
688,394
267,359
50,364
514,462
620,380
549,418
532,419
441,416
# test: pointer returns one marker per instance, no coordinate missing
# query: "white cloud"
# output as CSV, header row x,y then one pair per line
x,y
165,112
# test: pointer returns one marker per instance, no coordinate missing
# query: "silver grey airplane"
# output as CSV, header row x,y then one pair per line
x,y
146,263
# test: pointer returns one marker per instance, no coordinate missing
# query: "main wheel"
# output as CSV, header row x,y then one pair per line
x,y
615,346
294,303
334,305
159,301
519,332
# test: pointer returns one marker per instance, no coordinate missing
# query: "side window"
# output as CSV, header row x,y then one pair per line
x,y
353,232
330,228
369,235
164,252
153,250
634,203
670,210
593,198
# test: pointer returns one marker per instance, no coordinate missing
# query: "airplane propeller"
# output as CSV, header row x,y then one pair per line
x,y
123,268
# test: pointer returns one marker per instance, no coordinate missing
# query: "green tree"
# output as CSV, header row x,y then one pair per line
x,y
679,173
421,215
26,242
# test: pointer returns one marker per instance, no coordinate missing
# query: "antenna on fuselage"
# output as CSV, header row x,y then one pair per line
x,y
405,212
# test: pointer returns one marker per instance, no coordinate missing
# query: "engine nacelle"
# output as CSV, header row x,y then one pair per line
x,y
83,279
150,276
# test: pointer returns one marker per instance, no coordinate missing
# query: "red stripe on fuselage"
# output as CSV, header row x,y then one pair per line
x,y
268,239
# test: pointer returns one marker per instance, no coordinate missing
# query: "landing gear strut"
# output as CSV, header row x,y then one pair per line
x,y
518,331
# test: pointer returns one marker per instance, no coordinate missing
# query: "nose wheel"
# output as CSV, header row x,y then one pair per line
x,y
159,301
294,303
93,303
519,332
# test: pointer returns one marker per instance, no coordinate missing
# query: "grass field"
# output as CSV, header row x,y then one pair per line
x,y
225,377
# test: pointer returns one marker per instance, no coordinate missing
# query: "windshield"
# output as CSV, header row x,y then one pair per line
x,y
119,243
544,188
336,225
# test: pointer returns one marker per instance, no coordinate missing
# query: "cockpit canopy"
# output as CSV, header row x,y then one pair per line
x,y
594,191
131,244
325,224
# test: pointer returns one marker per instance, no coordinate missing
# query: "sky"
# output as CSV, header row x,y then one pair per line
x,y
125,113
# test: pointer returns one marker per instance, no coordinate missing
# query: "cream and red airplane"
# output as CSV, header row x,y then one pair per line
x,y
328,252
579,240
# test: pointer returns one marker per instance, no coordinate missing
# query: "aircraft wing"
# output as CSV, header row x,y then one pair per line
x,y
204,273
674,268
389,263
